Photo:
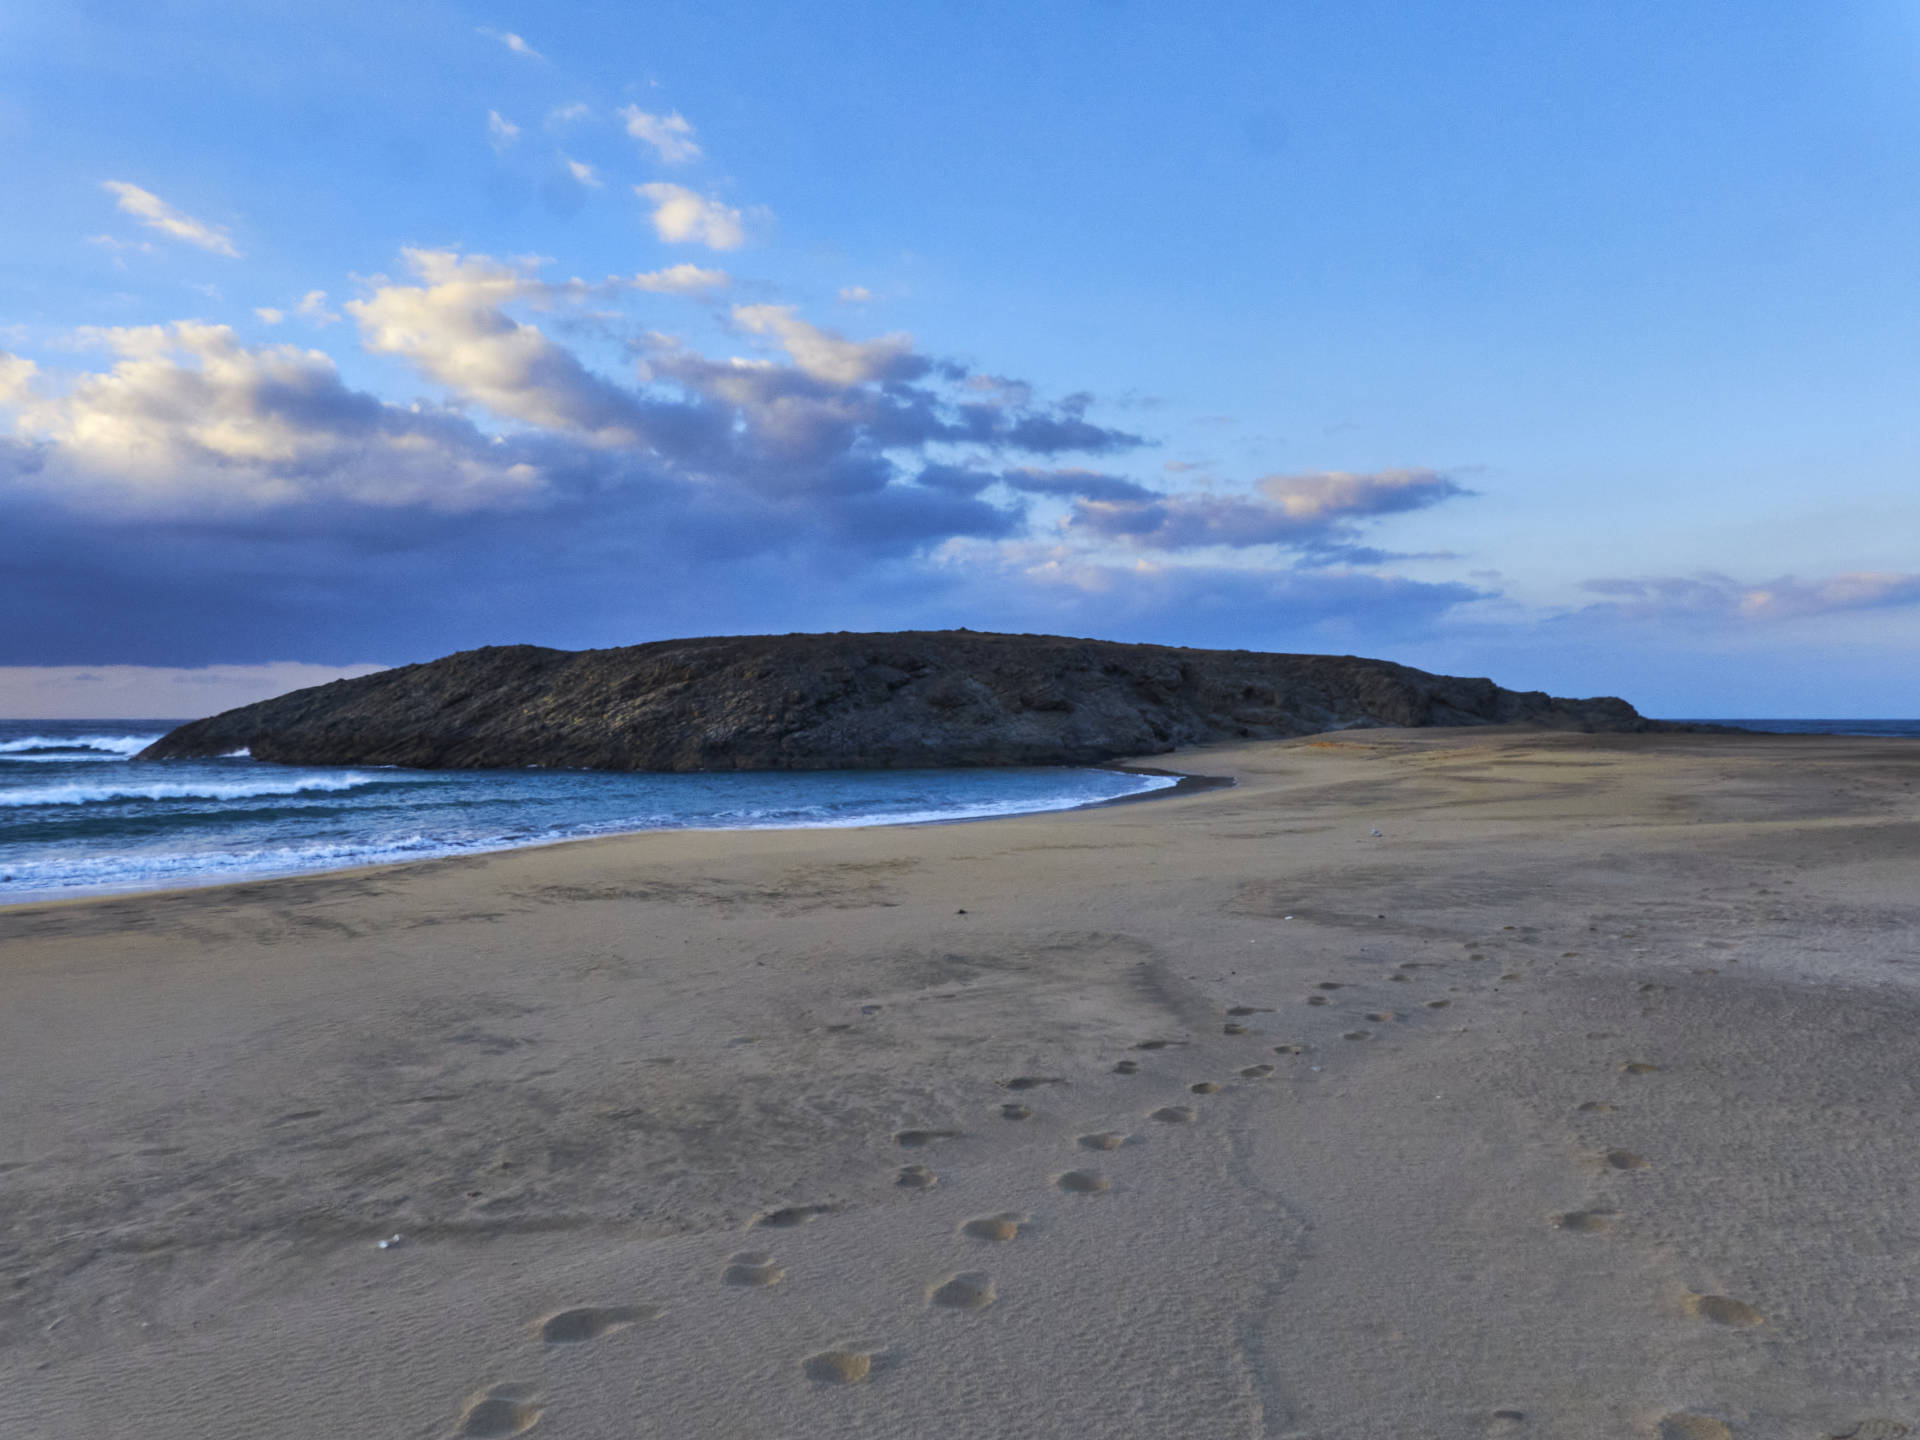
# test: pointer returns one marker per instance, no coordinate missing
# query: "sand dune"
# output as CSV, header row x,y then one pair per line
x,y
1579,1101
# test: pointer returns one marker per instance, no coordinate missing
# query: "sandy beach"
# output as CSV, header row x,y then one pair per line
x,y
1424,1083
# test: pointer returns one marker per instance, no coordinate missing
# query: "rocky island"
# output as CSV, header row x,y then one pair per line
x,y
851,701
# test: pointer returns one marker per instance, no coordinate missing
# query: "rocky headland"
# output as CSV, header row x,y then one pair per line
x,y
849,701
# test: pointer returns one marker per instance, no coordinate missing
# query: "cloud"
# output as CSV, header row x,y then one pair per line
x,y
313,306
153,212
501,132
1714,597
454,330
681,280
567,114
191,497
119,245
670,135
1024,583
583,172
188,420
1078,484
682,216
268,315
1315,510
854,294
830,357
512,41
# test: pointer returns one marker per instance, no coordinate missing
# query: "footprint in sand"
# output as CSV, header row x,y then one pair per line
x,y
753,1269
1127,1067
1249,1010
502,1410
1204,1087
1318,1000
1173,1114
914,1139
1358,1035
590,1322
1256,1072
1157,1044
1232,1029
1625,1160
1032,1082
1438,1004
1083,1182
916,1177
1331,985
1639,1067
969,1290
1684,1426
1586,1222
1016,1111
997,1228
1507,1422
847,1366
1382,1017
1724,1311
1289,1049
787,1217
1879,1428
1595,1107
1104,1140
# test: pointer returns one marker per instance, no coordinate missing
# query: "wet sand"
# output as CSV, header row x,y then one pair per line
x,y
1580,1101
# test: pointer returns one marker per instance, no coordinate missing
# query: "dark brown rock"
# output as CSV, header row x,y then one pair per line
x,y
832,702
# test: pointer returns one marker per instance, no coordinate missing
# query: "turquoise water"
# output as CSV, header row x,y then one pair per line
x,y
79,816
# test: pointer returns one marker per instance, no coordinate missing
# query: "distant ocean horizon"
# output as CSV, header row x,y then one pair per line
x,y
1882,729
78,818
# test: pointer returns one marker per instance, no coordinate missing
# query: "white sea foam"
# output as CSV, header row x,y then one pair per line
x,y
333,818
74,747
205,789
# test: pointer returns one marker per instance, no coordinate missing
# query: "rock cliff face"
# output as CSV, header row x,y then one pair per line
x,y
833,702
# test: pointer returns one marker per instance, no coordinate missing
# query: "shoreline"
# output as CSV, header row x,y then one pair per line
x,y
1186,784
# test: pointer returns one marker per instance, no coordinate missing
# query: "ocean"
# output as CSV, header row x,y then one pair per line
x,y
79,816
1882,729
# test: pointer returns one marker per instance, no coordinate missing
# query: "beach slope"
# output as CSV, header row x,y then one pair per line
x,y
1426,1083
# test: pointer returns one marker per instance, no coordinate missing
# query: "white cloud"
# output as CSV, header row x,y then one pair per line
x,y
567,114
145,692
268,315
1328,493
681,215
825,355
501,132
584,173
313,306
116,243
854,294
1307,511
680,280
671,136
153,212
1787,598
17,374
190,420
454,330
513,42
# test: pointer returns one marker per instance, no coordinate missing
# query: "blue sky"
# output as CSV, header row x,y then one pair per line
x,y
1570,345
